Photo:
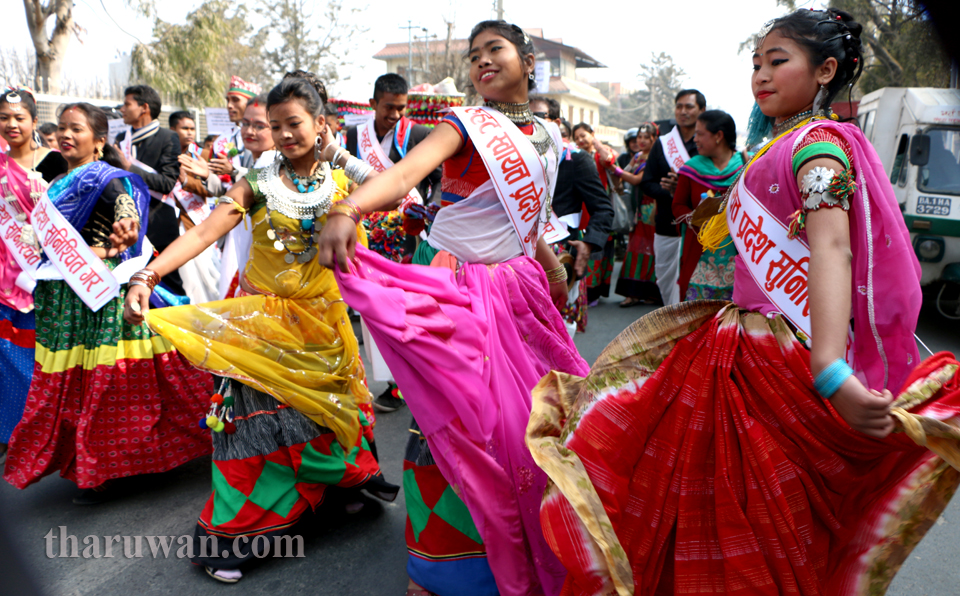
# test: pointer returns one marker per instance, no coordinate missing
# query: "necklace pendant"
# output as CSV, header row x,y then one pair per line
x,y
278,245
271,235
316,236
306,224
288,258
303,257
21,217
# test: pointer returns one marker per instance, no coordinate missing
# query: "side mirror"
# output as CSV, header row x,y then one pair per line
x,y
919,149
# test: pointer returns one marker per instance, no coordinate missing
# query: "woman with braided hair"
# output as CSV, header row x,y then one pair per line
x,y
746,447
297,417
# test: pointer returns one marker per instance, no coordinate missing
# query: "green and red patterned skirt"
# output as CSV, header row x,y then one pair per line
x,y
108,399
600,272
266,474
638,276
447,554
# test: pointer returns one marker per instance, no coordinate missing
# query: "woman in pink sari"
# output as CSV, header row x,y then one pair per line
x,y
468,338
24,173
716,449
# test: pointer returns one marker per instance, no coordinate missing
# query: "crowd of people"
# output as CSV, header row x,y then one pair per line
x,y
163,300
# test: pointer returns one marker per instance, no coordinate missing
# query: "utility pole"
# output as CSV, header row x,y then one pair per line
x,y
499,10
426,37
410,29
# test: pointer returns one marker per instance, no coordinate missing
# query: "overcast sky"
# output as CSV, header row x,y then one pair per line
x,y
701,35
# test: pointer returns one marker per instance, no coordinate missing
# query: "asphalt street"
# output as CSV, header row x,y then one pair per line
x,y
363,554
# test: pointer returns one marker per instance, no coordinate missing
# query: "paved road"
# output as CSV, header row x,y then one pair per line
x,y
360,555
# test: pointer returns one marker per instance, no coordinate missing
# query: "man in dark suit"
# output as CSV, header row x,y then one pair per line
x,y
154,158
385,140
660,182
578,186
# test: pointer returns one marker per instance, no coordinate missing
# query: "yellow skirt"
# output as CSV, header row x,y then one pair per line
x,y
300,351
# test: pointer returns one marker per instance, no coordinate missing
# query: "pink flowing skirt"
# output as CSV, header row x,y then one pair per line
x,y
466,350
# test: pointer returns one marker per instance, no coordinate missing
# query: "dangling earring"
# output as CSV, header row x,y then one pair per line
x,y
37,139
819,100
97,154
532,76
318,149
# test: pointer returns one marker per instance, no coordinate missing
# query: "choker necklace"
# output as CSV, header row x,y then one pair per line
x,y
518,113
792,121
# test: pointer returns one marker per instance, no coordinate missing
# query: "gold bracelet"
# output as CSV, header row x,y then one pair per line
x,y
348,208
558,275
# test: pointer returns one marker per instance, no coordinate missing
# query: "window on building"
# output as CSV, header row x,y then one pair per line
x,y
570,115
581,115
591,118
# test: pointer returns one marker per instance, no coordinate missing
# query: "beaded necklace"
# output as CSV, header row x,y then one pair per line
x,y
307,205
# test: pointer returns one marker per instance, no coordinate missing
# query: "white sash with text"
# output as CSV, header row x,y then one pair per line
x,y
83,271
371,152
517,172
778,264
24,254
674,149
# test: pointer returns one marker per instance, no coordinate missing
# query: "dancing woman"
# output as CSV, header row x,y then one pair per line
x,y
706,275
296,418
108,399
710,450
25,173
467,338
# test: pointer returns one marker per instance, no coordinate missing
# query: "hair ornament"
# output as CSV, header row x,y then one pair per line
x,y
764,31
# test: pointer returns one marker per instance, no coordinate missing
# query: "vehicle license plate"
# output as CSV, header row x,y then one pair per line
x,y
934,206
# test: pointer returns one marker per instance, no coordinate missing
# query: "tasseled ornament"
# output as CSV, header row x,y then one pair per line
x,y
842,186
798,221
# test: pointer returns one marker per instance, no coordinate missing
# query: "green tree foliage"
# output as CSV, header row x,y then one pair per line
x,y
662,79
193,62
296,36
903,48
901,45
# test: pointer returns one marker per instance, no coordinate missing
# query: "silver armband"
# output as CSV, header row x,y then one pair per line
x,y
815,190
357,170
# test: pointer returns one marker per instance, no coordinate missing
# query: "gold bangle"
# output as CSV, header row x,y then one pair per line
x,y
348,208
557,275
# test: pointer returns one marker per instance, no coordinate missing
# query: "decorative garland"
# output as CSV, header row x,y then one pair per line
x,y
425,109
385,233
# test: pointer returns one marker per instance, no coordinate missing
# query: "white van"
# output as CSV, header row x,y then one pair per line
x,y
916,132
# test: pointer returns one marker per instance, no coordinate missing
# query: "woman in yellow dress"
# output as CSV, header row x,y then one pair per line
x,y
297,415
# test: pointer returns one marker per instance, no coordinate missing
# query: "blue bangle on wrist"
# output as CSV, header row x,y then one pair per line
x,y
832,378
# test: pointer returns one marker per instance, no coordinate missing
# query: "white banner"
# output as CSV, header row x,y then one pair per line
x,y
778,264
126,145
86,274
674,149
196,207
542,74
25,255
218,121
371,152
115,126
516,170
